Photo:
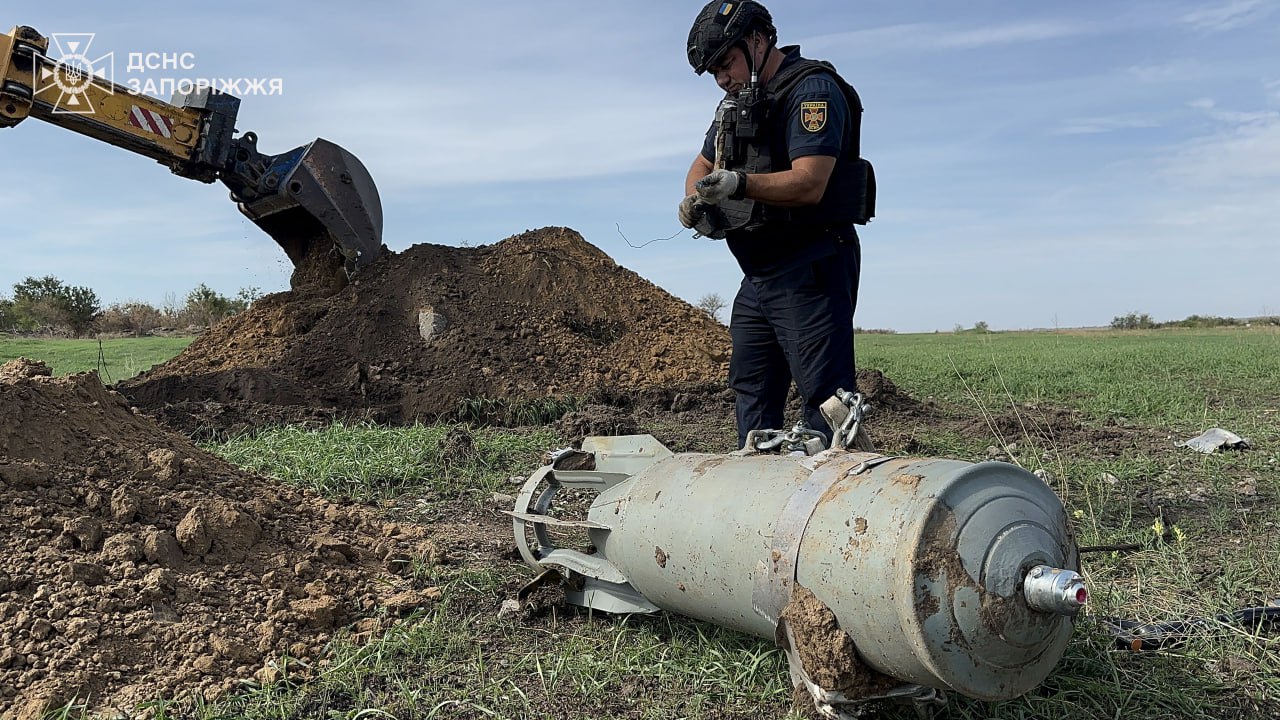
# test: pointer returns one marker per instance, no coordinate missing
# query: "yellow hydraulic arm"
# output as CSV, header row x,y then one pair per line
x,y
35,85
314,198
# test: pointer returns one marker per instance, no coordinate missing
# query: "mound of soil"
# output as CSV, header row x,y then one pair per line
x,y
136,565
539,314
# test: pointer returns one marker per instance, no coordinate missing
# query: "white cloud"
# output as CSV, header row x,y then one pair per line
x,y
1273,88
924,36
1220,17
1233,117
1221,187
1243,157
1098,125
1009,34
1174,71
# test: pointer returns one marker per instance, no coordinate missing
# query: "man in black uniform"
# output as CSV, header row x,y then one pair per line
x,y
780,178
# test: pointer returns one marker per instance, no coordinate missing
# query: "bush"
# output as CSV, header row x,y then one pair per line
x,y
80,309
1204,321
206,306
133,317
8,321
1133,321
47,304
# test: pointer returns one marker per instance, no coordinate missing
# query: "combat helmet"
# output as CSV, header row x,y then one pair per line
x,y
721,25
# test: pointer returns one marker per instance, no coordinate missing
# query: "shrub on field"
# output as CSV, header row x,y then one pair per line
x,y
1133,321
8,321
206,306
80,309
1202,321
133,317
47,304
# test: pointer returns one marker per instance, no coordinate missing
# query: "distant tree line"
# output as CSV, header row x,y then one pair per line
x,y
980,327
48,306
1143,321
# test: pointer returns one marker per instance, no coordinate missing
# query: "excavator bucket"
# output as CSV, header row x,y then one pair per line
x,y
325,201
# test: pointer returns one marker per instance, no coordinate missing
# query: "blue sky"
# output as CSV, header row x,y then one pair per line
x,y
1039,164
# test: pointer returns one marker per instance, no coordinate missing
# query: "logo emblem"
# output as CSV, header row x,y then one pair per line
x,y
813,115
73,72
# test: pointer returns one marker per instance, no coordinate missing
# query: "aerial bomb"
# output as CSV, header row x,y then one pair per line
x,y
917,575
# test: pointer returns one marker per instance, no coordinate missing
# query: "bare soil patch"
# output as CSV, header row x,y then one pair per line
x,y
137,566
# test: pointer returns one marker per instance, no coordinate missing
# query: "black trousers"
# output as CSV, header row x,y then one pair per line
x,y
794,325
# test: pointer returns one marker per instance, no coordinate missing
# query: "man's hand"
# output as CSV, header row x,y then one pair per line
x,y
721,185
691,210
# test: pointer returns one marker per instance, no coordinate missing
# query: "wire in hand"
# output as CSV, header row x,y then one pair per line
x,y
624,237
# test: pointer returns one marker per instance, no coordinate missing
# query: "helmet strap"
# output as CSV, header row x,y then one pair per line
x,y
751,60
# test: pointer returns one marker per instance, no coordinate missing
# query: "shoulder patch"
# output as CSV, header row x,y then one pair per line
x,y
813,115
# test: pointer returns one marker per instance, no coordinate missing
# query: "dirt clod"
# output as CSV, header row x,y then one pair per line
x,y
827,653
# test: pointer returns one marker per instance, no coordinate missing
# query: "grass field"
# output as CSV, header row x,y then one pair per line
x,y
1168,378
1209,527
114,359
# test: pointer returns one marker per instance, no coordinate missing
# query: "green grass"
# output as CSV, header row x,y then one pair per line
x,y
115,360
514,412
369,463
459,660
1181,379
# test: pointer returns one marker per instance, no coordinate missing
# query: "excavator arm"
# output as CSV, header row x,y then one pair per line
x,y
312,200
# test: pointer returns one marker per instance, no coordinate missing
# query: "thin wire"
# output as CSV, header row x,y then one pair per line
x,y
102,362
624,237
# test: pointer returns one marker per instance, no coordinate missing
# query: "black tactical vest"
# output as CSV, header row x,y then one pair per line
x,y
760,147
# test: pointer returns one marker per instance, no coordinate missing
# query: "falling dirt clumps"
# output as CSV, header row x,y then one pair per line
x,y
826,652
541,314
138,567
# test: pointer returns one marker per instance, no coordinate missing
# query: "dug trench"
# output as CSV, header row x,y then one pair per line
x,y
139,566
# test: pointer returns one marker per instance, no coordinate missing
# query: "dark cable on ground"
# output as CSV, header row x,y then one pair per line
x,y
1138,637
624,237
